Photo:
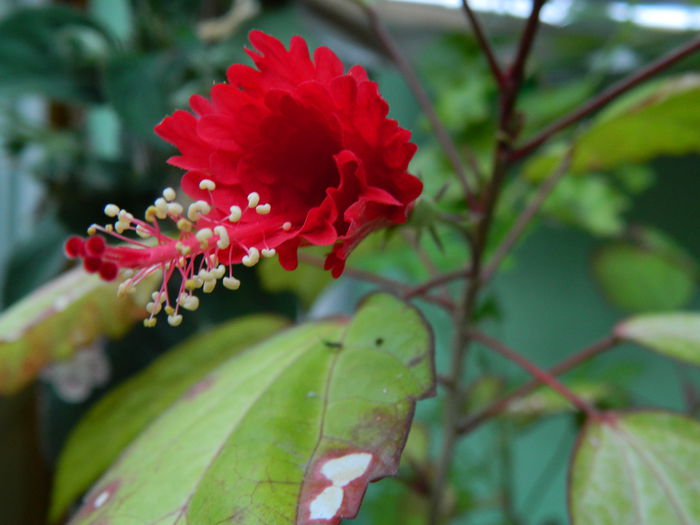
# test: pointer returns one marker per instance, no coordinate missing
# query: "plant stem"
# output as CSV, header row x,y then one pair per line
x,y
525,217
423,100
464,313
607,96
573,361
392,284
483,43
515,75
436,281
538,373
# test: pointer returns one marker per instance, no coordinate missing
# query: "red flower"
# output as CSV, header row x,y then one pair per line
x,y
293,153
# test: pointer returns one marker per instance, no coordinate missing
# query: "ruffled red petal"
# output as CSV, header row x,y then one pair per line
x,y
311,140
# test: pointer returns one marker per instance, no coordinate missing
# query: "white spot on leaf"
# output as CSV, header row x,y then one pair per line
x,y
326,505
345,469
101,499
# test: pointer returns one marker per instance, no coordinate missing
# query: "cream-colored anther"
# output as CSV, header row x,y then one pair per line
x,y
158,297
125,216
125,288
207,185
161,208
263,209
184,225
204,275
268,252
151,214
224,241
252,258
175,209
150,322
253,199
112,210
194,283
92,230
203,237
174,320
231,283
183,249
287,226
154,308
121,226
109,228
219,271
169,194
142,232
236,214
169,310
190,302
209,285
197,209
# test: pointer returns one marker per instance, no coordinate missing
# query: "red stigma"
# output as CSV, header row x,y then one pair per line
x,y
95,246
74,247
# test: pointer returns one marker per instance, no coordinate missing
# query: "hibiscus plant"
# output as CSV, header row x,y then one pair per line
x,y
292,193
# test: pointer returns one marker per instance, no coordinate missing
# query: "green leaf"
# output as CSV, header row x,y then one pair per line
x,y
641,126
675,335
546,402
640,468
644,278
122,414
53,51
307,281
591,203
481,393
309,416
55,320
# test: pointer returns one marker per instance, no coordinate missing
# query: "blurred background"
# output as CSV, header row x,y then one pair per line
x,y
82,83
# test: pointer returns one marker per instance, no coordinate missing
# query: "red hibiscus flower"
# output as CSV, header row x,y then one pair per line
x,y
293,153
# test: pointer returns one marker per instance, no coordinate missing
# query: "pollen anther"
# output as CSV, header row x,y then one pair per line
x,y
197,209
263,209
203,237
253,199
169,194
184,225
194,283
207,184
231,283
252,258
224,241
236,214
174,319
111,210
175,209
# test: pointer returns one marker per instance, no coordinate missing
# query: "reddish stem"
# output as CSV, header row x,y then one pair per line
x,y
436,281
502,404
397,286
484,44
606,96
538,373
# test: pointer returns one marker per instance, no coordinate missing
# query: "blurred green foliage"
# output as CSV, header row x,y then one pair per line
x,y
109,73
